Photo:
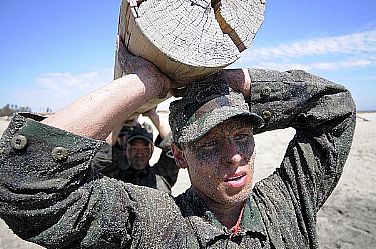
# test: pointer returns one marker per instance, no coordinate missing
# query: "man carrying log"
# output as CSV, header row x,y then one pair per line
x,y
50,195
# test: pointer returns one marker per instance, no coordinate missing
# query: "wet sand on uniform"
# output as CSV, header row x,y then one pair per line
x,y
347,219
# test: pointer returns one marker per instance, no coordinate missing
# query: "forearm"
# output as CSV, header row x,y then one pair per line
x,y
297,99
164,129
95,115
323,115
162,126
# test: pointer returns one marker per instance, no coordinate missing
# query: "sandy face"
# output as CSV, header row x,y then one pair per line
x,y
139,153
220,164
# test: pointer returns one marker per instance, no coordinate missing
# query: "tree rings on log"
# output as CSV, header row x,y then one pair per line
x,y
188,40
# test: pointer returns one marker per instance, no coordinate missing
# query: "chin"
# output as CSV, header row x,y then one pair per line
x,y
238,197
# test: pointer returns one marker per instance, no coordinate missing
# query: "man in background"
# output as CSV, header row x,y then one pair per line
x,y
138,151
113,160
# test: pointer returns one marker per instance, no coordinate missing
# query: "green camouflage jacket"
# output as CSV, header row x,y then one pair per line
x,y
50,195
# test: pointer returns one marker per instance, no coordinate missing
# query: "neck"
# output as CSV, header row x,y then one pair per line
x,y
228,214
138,169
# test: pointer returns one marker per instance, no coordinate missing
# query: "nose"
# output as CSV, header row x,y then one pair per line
x,y
233,152
140,152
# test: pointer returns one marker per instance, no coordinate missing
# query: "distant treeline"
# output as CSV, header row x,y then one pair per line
x,y
8,110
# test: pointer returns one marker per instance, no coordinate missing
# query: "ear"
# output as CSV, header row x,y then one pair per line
x,y
180,160
151,147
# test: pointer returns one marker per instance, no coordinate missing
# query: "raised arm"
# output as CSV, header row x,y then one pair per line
x,y
49,193
100,112
323,115
321,112
162,126
165,166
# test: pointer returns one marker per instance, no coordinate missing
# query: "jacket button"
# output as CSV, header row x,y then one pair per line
x,y
266,115
18,142
60,154
265,92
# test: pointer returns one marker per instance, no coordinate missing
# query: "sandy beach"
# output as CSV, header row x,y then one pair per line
x,y
348,218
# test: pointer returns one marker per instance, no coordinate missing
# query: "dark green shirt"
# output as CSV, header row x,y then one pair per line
x,y
50,195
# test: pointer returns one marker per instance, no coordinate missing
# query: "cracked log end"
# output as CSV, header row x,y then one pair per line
x,y
188,40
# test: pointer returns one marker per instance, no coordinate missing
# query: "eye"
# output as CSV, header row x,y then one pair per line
x,y
242,137
209,145
146,149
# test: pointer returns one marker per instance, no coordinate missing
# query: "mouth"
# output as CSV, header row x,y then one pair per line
x,y
237,180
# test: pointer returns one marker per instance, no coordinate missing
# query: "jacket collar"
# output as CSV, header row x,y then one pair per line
x,y
199,216
133,172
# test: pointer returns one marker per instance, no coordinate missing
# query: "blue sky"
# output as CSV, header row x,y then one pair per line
x,y
51,52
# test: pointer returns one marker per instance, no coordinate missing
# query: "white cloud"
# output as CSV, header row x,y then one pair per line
x,y
283,66
324,53
67,83
363,42
55,90
339,65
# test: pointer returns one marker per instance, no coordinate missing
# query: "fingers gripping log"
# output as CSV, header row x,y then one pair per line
x,y
127,63
188,40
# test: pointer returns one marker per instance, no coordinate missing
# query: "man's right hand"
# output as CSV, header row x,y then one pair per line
x,y
143,68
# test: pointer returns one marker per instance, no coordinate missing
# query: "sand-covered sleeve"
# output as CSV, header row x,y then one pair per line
x,y
50,195
323,115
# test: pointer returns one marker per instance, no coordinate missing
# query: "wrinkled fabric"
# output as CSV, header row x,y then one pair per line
x,y
66,204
